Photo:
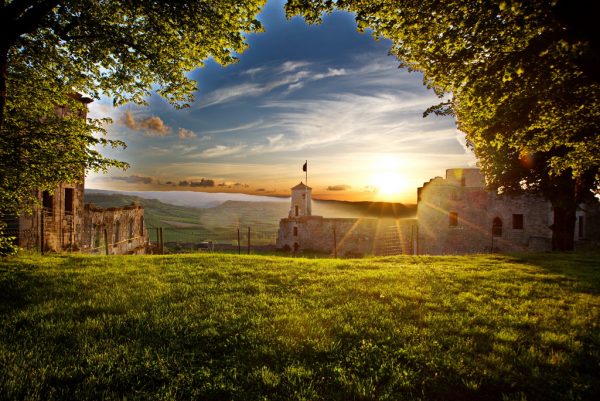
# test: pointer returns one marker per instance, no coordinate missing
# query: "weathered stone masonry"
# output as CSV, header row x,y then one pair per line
x,y
455,215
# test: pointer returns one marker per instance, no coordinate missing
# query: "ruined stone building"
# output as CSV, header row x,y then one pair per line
x,y
62,222
301,231
455,215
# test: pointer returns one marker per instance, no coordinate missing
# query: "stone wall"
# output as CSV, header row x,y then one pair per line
x,y
458,217
59,216
125,230
347,237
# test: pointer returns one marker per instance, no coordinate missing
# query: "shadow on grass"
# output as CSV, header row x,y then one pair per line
x,y
581,267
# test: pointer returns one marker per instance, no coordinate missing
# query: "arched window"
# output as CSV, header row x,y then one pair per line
x,y
297,210
295,231
497,227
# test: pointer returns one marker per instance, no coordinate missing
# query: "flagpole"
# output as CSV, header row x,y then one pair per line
x,y
306,189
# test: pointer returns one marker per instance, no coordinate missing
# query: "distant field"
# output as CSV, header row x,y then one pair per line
x,y
223,327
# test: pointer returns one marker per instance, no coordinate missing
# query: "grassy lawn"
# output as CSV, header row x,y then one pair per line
x,y
228,327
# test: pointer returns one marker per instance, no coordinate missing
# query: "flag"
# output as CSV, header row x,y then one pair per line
x,y
305,167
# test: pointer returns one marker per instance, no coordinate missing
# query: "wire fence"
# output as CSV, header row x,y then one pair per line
x,y
65,233
235,239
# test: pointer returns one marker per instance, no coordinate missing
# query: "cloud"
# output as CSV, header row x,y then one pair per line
x,y
331,72
290,66
242,127
186,134
134,179
221,150
203,183
253,71
342,187
153,126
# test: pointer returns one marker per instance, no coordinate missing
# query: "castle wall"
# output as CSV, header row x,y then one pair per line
x,y
124,227
349,237
457,219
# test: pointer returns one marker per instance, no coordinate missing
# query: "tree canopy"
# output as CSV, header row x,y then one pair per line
x,y
523,77
51,50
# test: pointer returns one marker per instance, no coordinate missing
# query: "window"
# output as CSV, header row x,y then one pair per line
x,y
295,231
97,236
517,221
296,209
463,181
453,219
130,234
497,227
47,201
580,228
69,200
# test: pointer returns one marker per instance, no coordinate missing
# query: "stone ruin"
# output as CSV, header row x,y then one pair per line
x,y
455,215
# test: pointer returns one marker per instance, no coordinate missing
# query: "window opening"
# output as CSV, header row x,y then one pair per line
x,y
518,221
453,219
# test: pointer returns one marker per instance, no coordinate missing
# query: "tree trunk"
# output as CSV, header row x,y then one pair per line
x,y
563,228
565,196
3,79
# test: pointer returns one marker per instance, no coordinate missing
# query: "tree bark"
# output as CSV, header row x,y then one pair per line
x,y
565,196
563,229
3,79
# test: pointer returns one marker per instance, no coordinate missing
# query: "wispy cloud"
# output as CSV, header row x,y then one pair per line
x,y
221,150
291,75
290,66
242,127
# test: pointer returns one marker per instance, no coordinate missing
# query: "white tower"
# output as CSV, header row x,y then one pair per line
x,y
301,201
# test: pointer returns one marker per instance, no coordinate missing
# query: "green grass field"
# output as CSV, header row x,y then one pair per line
x,y
228,327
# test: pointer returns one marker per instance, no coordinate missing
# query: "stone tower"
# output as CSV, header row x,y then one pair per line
x,y
301,201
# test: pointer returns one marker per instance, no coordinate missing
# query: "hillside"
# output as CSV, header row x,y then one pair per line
x,y
222,327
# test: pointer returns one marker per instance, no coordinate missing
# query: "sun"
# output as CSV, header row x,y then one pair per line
x,y
386,177
387,183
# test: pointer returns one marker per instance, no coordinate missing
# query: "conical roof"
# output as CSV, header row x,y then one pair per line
x,y
301,186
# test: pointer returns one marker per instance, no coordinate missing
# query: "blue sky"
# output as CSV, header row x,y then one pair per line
x,y
325,93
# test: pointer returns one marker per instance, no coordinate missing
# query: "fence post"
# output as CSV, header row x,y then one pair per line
x,y
162,242
239,244
334,244
248,240
106,240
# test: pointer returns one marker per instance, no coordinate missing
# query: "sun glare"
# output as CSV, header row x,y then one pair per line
x,y
386,178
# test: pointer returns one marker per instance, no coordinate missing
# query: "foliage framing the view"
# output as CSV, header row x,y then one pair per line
x,y
51,49
523,76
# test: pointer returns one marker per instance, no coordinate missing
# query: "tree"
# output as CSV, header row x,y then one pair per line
x,y
51,50
523,77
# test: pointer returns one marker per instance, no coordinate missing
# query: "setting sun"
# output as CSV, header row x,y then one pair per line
x,y
386,177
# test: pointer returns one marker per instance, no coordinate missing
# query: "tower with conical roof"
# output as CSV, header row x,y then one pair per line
x,y
301,201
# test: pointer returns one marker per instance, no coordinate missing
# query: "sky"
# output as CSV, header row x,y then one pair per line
x,y
326,93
